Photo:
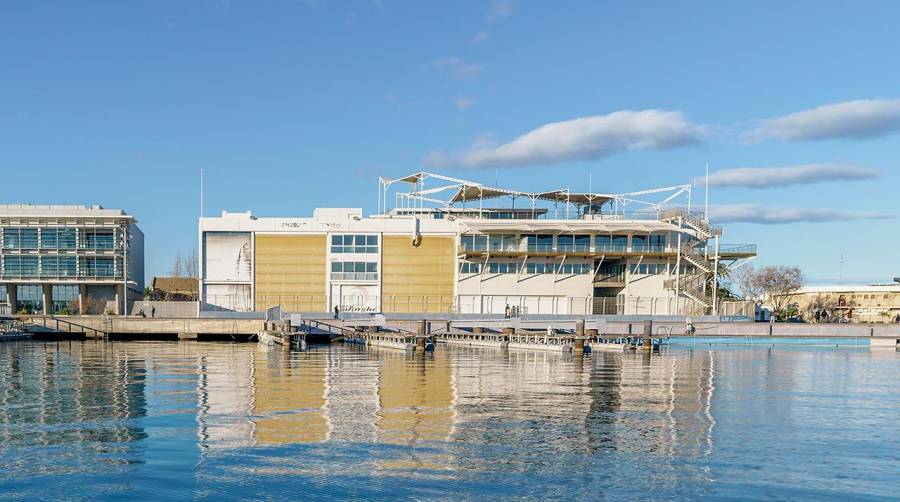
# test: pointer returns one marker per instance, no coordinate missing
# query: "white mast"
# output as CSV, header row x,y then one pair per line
x,y
706,193
201,192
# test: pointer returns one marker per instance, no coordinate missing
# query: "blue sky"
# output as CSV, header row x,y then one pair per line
x,y
292,105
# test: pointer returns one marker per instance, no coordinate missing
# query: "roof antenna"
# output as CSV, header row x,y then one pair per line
x,y
706,194
201,192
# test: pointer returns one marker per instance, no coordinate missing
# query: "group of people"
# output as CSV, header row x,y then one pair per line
x,y
512,311
152,312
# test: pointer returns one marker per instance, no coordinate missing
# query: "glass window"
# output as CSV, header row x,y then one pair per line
x,y
611,242
48,238
20,238
30,298
58,238
470,268
354,243
98,239
97,267
474,242
64,299
582,243
540,243
354,271
20,266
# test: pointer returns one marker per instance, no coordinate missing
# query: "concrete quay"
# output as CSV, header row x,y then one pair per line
x,y
136,328
596,333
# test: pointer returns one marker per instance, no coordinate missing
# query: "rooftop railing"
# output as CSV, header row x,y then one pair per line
x,y
734,249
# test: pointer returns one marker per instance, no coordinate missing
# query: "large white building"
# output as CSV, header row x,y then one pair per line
x,y
561,252
69,259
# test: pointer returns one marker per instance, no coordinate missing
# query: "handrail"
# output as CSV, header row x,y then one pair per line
x,y
736,248
341,329
69,325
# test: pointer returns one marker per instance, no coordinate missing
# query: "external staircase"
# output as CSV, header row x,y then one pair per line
x,y
693,286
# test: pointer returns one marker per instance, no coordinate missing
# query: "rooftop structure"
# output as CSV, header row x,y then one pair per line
x,y
69,259
443,249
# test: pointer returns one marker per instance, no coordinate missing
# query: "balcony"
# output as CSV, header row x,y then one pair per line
x,y
650,249
734,250
611,248
610,279
573,248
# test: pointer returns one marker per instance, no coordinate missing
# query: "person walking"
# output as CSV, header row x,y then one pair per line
x,y
337,312
153,311
506,314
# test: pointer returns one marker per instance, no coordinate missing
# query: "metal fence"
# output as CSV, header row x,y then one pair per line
x,y
475,304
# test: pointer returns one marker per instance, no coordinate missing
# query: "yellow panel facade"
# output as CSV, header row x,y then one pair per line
x,y
290,402
416,401
291,271
417,278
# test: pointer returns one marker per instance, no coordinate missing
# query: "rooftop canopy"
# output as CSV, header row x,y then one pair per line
x,y
446,191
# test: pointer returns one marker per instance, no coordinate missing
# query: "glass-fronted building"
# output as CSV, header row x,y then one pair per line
x,y
69,259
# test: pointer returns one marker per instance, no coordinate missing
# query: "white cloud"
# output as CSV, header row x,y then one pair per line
x,y
774,215
860,119
766,177
583,138
499,9
459,68
479,37
463,104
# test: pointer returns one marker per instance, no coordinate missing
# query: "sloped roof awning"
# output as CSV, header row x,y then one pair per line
x,y
476,192
595,199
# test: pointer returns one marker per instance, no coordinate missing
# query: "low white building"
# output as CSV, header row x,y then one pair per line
x,y
563,253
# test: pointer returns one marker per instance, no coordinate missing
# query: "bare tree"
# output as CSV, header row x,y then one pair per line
x,y
191,264
185,265
745,279
778,284
177,266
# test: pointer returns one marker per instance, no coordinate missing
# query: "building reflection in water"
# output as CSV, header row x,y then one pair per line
x,y
648,403
243,396
48,392
604,401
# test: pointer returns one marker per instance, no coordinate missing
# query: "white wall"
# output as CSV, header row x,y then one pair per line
x,y
535,293
230,297
227,257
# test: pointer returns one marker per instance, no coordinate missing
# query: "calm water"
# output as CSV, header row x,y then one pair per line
x,y
157,420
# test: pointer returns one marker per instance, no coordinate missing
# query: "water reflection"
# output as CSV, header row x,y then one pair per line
x,y
237,412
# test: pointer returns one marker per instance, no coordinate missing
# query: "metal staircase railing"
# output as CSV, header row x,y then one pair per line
x,y
692,286
62,325
693,221
695,256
